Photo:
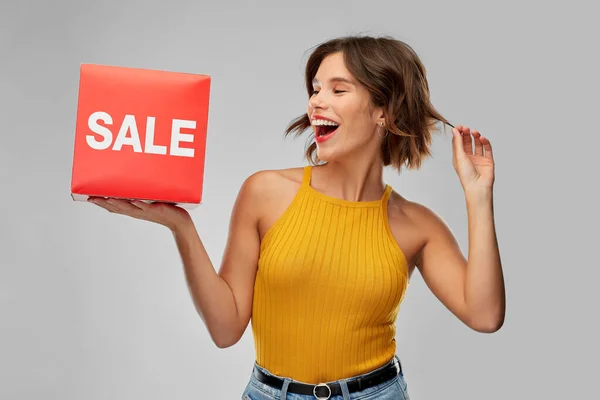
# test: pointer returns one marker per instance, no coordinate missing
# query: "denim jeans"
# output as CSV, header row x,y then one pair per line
x,y
393,389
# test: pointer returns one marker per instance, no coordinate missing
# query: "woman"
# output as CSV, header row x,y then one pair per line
x,y
320,257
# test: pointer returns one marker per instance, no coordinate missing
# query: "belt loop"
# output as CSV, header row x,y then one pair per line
x,y
284,388
399,363
344,387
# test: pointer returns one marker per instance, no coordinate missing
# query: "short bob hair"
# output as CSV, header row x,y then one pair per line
x,y
395,77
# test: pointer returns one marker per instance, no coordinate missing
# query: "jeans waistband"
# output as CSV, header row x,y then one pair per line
x,y
342,386
395,358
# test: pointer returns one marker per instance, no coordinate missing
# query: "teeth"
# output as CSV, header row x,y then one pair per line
x,y
322,122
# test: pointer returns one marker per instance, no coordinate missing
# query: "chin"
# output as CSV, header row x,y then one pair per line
x,y
328,153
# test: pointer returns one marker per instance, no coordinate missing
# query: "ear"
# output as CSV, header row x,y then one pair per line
x,y
378,115
380,118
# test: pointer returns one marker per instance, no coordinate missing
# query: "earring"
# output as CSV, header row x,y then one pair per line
x,y
386,131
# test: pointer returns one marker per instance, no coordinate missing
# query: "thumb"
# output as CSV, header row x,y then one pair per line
x,y
457,143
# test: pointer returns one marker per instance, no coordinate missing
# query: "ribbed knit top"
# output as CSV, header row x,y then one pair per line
x,y
329,284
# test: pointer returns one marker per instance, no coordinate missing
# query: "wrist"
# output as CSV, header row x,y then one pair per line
x,y
182,226
478,194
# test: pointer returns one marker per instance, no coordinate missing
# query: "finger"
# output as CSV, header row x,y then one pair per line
x,y
142,205
104,204
466,140
123,206
457,143
478,144
487,147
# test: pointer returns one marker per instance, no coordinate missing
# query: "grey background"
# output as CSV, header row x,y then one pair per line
x,y
95,306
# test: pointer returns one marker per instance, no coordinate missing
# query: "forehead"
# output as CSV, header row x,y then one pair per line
x,y
333,69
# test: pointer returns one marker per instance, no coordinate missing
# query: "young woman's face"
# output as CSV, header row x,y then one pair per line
x,y
343,122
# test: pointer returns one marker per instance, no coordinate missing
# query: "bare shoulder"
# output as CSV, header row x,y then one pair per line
x,y
412,224
271,192
266,184
417,212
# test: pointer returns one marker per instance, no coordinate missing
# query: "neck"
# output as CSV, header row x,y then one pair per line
x,y
352,180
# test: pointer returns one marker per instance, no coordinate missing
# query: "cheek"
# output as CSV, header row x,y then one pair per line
x,y
357,123
354,113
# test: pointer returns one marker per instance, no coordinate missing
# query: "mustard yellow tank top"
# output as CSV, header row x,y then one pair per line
x,y
329,284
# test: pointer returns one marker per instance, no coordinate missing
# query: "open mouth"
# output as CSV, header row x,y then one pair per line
x,y
324,128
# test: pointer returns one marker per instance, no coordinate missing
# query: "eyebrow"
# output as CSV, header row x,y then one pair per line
x,y
315,81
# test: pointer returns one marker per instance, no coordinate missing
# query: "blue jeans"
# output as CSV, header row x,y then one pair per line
x,y
393,389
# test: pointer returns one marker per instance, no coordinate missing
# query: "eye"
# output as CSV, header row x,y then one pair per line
x,y
315,92
339,91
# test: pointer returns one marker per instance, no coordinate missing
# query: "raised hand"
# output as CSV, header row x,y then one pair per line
x,y
475,167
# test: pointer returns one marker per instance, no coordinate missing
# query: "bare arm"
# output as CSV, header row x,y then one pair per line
x,y
473,289
224,299
484,284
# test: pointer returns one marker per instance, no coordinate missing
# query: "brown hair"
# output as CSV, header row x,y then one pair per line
x,y
395,77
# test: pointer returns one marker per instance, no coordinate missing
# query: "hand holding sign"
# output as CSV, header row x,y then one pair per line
x,y
169,215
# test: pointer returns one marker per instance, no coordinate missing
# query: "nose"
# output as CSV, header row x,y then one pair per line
x,y
316,101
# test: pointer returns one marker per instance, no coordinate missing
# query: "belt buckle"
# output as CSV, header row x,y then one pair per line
x,y
321,385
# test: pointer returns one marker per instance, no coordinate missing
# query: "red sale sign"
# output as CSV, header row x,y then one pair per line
x,y
140,134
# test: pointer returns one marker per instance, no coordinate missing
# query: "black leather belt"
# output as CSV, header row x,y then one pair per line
x,y
327,390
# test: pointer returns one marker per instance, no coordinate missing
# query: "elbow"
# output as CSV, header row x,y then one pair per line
x,y
224,344
225,334
225,341
490,327
488,324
